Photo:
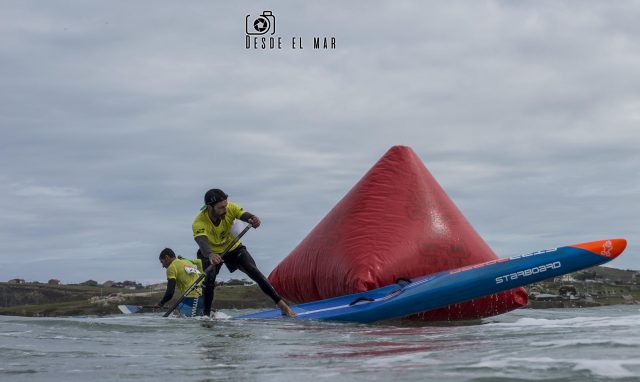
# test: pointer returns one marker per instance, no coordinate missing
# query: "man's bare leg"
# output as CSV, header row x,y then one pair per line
x,y
286,310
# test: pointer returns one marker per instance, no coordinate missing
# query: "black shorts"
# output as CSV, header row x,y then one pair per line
x,y
232,258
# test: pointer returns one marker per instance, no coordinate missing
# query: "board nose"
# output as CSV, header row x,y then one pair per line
x,y
610,248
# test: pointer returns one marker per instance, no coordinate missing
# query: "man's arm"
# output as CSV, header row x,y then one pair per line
x,y
168,294
250,218
203,243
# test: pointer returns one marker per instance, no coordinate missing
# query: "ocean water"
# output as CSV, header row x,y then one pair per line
x,y
596,344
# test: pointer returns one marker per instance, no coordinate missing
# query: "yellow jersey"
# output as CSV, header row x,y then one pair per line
x,y
185,273
218,236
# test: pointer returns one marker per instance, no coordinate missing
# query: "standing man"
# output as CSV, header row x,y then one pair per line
x,y
212,232
182,273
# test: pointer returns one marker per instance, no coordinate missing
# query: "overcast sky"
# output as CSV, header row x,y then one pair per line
x,y
116,117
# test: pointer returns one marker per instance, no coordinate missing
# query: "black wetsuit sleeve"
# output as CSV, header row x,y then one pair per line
x,y
246,216
168,294
203,244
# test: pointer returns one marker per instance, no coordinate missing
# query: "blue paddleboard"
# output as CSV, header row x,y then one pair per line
x,y
438,290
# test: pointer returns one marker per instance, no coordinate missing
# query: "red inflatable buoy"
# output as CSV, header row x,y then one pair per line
x,y
396,222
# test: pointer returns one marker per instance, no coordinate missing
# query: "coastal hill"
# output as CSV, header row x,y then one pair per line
x,y
595,286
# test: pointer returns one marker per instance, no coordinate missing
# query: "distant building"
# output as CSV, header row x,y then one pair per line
x,y
108,284
53,282
17,281
568,290
545,297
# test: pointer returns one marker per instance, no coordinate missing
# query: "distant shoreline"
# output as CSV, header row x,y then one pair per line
x,y
597,286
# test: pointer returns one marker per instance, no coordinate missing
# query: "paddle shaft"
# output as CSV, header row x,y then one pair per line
x,y
206,271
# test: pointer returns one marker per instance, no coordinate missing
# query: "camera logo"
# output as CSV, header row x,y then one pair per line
x,y
261,24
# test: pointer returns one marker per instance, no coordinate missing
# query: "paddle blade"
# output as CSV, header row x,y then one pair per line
x,y
129,309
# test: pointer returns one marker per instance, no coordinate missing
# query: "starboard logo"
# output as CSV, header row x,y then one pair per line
x,y
261,35
528,272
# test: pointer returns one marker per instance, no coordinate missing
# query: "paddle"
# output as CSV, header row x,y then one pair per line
x,y
204,274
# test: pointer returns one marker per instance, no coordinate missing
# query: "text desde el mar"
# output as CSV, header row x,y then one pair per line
x,y
297,43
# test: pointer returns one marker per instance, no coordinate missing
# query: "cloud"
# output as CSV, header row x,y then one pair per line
x,y
115,121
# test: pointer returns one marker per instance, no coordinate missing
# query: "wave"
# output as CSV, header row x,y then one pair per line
x,y
574,322
596,367
612,343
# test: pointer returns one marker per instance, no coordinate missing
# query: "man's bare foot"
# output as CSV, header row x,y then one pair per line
x,y
286,310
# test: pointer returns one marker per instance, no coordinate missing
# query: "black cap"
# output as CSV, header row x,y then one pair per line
x,y
214,196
